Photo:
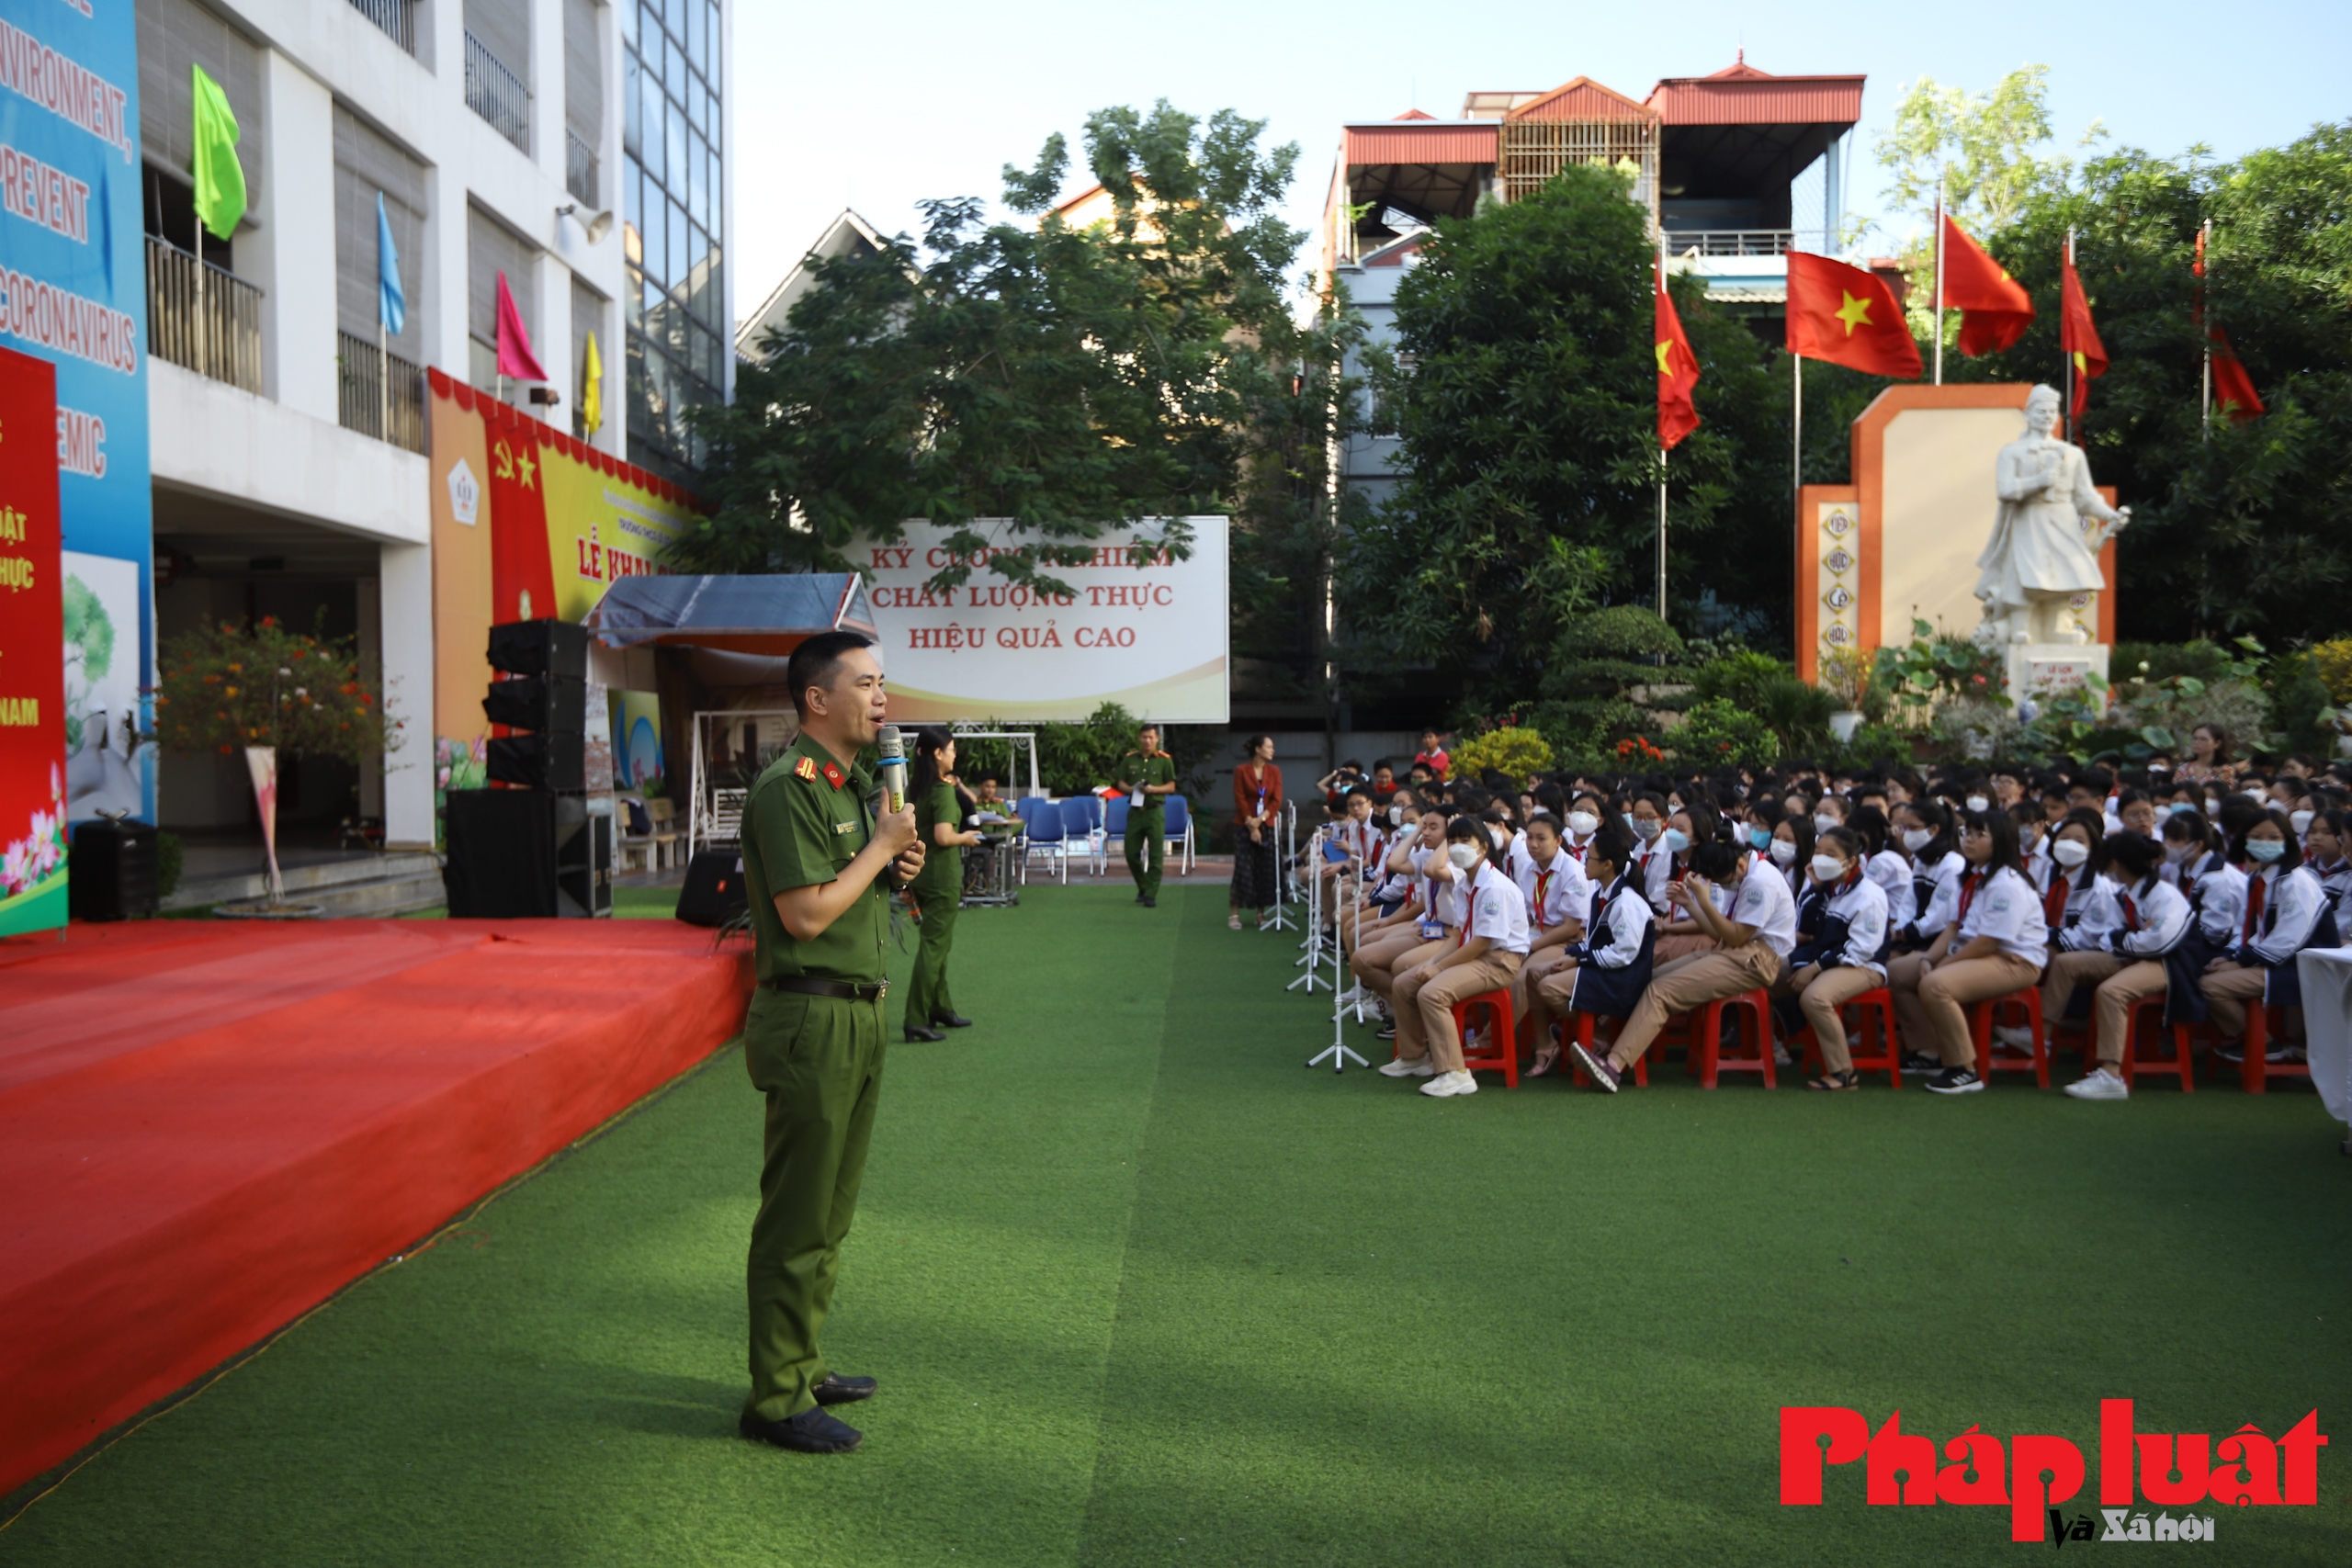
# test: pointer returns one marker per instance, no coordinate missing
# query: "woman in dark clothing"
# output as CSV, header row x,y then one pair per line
x,y
939,814
1257,805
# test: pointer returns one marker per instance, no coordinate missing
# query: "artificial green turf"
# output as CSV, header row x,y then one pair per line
x,y
1141,1291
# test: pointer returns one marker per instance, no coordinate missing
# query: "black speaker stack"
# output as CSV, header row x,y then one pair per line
x,y
534,849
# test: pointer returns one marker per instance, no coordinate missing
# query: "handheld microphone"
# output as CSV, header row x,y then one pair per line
x,y
893,769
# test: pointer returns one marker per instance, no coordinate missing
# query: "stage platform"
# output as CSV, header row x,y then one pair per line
x,y
207,1128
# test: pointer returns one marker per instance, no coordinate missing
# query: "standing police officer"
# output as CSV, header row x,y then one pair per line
x,y
817,867
1148,778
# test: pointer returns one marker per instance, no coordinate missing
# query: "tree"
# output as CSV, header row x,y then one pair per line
x,y
1063,380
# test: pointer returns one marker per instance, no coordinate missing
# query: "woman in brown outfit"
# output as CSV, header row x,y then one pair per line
x,y
1257,805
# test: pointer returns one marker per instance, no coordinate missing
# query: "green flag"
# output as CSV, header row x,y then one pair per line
x,y
220,179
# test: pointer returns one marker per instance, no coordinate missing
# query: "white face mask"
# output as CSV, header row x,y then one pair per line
x,y
1582,823
1822,822
2177,854
1500,836
2301,821
1978,803
1917,839
1783,853
1827,868
1646,828
1463,856
2070,853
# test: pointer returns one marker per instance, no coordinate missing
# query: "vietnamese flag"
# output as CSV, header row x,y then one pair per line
x,y
2232,387
2076,336
522,576
1678,373
1993,307
1848,317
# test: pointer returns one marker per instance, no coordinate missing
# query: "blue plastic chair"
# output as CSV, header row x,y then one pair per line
x,y
1115,819
1180,831
1082,827
1042,821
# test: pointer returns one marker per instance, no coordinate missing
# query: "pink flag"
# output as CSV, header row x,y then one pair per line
x,y
514,356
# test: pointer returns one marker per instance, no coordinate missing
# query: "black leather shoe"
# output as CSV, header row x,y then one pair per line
x,y
1151,903
914,1034
810,1432
952,1021
839,1390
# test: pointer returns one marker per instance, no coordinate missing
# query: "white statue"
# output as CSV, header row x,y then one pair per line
x,y
2041,556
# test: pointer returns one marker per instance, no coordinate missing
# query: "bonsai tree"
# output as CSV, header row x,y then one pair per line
x,y
263,689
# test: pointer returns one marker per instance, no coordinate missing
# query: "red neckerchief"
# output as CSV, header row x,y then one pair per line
x,y
2253,898
2053,902
2131,910
1969,881
1542,881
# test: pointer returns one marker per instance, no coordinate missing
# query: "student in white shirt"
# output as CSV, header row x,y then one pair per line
x,y
1607,969
1754,940
2283,905
1883,864
1586,813
2121,946
2214,888
1416,926
1557,898
1680,936
1486,957
1997,945
1849,955
1923,831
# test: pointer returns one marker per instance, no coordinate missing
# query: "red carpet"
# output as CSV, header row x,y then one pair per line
x,y
208,1128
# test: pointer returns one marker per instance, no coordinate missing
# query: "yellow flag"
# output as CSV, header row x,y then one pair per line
x,y
592,390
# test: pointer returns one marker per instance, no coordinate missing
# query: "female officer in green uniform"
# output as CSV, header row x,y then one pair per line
x,y
940,889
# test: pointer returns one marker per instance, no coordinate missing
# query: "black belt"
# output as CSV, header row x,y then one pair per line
x,y
857,991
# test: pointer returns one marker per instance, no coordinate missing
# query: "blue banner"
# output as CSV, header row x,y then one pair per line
x,y
73,291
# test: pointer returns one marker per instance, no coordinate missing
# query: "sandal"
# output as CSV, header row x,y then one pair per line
x,y
1547,1057
1233,920
1848,1079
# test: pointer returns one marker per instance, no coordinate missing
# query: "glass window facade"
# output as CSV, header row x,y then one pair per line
x,y
671,184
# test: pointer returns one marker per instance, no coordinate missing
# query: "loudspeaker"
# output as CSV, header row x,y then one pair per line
x,y
540,648
552,762
554,703
714,889
111,872
583,860
501,854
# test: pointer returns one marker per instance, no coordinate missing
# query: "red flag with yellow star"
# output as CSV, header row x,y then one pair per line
x,y
2232,387
1848,317
1678,373
1995,309
522,575
2076,336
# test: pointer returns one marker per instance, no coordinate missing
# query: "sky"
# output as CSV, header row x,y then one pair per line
x,y
878,106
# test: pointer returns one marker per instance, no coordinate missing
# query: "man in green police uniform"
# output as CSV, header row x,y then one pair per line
x,y
1153,773
817,867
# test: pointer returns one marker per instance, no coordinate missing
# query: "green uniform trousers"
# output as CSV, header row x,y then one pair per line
x,y
1147,849
819,1061
927,991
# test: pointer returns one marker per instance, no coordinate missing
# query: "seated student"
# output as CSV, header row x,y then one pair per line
x,y
1790,849
2146,937
1830,811
1605,971
1644,819
1996,945
1587,812
2034,841
1384,784
2008,786
1485,957
1870,794
1753,945
2284,914
1419,923
1923,831
2091,788
1689,827
2326,851
2137,811
1558,896
1848,955
1884,864
1366,846
1976,792
2195,864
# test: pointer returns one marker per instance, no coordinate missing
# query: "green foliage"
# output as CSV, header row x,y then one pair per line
x,y
1598,660
227,687
1907,683
1715,734
2331,660
2301,710
1759,684
1057,380
170,860
89,652
1512,750
1873,746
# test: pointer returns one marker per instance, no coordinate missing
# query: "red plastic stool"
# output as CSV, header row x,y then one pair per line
x,y
1506,1060
2257,1071
1874,1015
2183,1058
1756,1032
1980,1028
1584,1037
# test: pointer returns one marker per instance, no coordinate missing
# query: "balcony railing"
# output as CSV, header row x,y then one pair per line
x,y
497,94
215,331
396,18
363,402
580,169
1743,241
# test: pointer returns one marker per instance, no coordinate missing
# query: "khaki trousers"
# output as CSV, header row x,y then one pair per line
x,y
2066,973
1425,1008
2228,992
1522,985
1933,1004
1820,993
1671,948
1374,959
1691,982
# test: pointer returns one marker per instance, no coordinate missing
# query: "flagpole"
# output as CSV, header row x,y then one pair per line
x,y
1661,533
383,377
2064,352
199,366
2205,378
1939,277
1796,440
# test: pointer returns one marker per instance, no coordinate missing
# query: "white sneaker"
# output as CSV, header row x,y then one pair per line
x,y
2101,1084
1401,1068
2016,1037
1445,1084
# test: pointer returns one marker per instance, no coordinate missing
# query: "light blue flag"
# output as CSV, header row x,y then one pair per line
x,y
392,305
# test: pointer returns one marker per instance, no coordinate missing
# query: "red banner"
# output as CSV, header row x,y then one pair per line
x,y
33,651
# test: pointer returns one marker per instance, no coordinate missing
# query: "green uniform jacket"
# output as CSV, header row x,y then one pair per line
x,y
1135,770
943,868
807,819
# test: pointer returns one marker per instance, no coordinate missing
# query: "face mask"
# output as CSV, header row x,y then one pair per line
x,y
1395,817
1822,822
1978,803
1645,831
1675,841
2070,853
2178,807
2265,850
1759,837
1917,839
2111,883
1498,835
2301,821
1827,868
2178,852
1582,823
2253,794
1783,853
1463,856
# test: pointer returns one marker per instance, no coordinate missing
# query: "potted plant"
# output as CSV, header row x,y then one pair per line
x,y
263,689
1845,676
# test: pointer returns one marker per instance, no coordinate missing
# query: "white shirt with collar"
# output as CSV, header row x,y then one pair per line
x,y
1861,904
1764,903
2156,924
2005,908
1497,910
1567,891
2290,908
1627,915
1892,873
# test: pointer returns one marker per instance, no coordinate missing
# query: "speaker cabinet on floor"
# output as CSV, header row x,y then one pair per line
x,y
526,855
714,889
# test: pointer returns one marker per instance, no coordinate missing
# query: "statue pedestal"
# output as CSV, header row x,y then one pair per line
x,y
2040,670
